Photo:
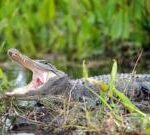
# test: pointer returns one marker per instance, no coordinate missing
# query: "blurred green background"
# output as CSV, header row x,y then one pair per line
x,y
76,29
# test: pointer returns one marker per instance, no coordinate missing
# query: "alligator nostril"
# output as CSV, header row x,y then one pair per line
x,y
10,53
13,52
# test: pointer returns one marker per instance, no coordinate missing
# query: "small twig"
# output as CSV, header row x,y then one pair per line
x,y
140,55
67,109
32,121
3,97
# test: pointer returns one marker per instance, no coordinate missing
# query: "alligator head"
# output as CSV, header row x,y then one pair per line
x,y
44,76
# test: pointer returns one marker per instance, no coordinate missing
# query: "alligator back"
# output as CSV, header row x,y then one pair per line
x,y
137,85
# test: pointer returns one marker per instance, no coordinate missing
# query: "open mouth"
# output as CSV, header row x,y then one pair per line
x,y
41,72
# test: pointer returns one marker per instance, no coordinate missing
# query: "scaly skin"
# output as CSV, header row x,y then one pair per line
x,y
135,86
58,83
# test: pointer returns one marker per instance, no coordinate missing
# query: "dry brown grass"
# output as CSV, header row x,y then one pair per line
x,y
61,115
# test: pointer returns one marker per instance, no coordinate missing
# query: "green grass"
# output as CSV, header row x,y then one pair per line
x,y
78,117
109,91
4,84
80,28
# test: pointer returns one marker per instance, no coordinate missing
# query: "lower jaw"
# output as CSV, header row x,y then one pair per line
x,y
23,90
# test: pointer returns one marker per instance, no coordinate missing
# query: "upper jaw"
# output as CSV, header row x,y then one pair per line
x,y
41,72
38,80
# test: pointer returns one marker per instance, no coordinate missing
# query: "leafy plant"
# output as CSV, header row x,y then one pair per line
x,y
80,28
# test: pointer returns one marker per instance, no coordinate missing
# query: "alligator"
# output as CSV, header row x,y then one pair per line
x,y
48,80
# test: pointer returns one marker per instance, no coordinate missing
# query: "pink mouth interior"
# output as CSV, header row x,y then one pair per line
x,y
39,82
38,79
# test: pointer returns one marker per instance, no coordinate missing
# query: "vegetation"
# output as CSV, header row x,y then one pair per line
x,y
62,115
80,28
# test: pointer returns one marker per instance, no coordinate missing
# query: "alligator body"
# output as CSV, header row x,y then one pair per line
x,y
48,80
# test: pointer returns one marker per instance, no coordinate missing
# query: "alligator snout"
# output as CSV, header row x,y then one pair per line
x,y
9,53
